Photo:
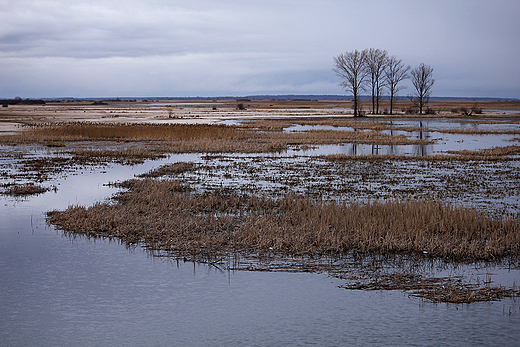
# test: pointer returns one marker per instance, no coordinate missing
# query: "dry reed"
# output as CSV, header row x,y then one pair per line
x,y
451,290
25,189
170,170
175,138
81,131
165,216
490,154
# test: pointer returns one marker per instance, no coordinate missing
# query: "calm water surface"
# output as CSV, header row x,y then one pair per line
x,y
443,142
57,291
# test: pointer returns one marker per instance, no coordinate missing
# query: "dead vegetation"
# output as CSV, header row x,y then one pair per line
x,y
377,124
489,154
175,138
169,218
24,189
86,131
165,215
447,289
170,170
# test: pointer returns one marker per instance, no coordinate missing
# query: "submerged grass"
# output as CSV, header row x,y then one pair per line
x,y
448,289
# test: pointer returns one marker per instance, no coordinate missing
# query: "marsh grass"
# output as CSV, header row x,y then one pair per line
x,y
170,170
457,131
446,289
175,138
165,215
81,131
378,124
490,154
281,124
478,132
25,189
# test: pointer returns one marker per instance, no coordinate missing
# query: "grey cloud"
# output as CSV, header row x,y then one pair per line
x,y
230,46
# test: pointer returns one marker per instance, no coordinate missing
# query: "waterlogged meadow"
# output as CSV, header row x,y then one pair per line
x,y
328,192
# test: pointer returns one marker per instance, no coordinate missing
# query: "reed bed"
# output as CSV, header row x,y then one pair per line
x,y
457,131
490,152
379,124
165,215
81,131
479,131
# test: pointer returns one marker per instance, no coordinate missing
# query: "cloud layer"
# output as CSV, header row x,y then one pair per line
x,y
208,48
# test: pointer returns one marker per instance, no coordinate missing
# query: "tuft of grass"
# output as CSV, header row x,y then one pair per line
x,y
25,190
171,169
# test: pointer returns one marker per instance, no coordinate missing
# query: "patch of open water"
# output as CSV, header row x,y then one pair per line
x,y
57,291
442,142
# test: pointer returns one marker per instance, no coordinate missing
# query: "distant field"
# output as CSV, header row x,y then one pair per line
x,y
209,112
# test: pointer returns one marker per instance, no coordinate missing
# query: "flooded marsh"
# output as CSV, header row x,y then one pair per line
x,y
259,224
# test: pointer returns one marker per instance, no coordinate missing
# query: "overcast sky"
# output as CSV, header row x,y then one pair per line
x,y
100,48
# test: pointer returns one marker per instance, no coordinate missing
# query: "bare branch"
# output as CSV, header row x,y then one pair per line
x,y
377,60
395,73
350,66
422,80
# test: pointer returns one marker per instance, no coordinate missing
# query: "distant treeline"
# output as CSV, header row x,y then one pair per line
x,y
20,101
281,97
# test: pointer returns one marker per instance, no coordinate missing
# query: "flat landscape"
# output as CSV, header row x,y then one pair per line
x,y
296,185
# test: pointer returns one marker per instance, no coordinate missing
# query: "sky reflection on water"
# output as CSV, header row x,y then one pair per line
x,y
58,291
443,142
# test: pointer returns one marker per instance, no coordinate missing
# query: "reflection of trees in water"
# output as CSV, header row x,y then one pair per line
x,y
422,150
391,149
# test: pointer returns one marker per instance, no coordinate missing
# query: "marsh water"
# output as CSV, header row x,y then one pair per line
x,y
62,291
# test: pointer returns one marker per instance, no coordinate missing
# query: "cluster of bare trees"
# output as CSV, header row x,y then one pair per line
x,y
374,69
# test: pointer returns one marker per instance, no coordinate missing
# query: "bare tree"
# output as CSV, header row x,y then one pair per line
x,y
395,73
422,80
377,61
351,66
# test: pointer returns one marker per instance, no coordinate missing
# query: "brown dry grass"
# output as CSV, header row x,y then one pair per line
x,y
280,124
172,169
497,152
176,138
490,154
378,124
78,131
478,132
164,215
451,290
25,190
